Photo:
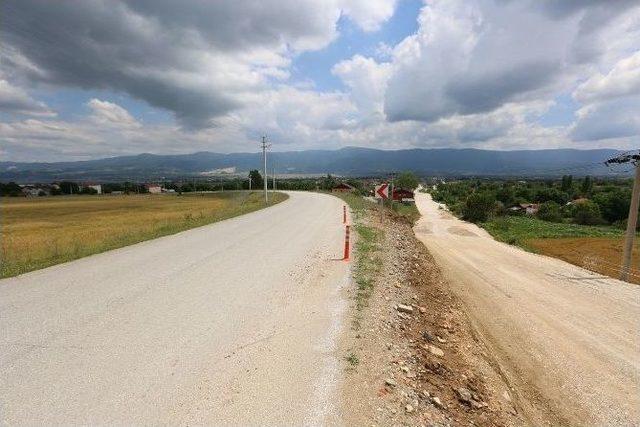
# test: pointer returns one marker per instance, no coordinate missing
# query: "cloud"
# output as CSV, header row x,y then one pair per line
x,y
14,100
111,114
622,80
197,59
472,57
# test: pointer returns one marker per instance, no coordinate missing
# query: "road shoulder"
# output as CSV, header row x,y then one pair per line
x,y
411,355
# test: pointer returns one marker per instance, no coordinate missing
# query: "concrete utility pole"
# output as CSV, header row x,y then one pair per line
x,y
249,183
264,155
632,220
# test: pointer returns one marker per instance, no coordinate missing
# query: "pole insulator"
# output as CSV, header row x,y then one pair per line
x,y
346,243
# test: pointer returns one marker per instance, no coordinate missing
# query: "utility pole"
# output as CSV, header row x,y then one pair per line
x,y
249,183
632,220
274,179
264,156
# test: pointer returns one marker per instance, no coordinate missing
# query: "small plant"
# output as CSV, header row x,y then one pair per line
x,y
352,359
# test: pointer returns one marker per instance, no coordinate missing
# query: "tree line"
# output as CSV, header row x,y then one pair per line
x,y
587,201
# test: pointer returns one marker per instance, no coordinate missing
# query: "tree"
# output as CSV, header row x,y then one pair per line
x,y
567,183
587,186
550,211
587,213
256,179
407,180
479,207
11,189
614,205
68,187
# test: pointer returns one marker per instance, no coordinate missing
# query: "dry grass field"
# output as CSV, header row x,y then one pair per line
x,y
600,254
40,232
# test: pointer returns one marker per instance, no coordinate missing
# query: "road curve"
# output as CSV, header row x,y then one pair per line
x,y
233,323
566,338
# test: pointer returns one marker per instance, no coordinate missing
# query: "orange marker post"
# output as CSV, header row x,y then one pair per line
x,y
344,214
346,243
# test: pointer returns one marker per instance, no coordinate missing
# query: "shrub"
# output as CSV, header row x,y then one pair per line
x,y
587,213
479,207
550,211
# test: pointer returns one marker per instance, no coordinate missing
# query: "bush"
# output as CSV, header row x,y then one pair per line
x,y
550,211
587,213
479,207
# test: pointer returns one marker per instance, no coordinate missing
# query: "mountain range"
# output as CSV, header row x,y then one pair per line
x,y
349,161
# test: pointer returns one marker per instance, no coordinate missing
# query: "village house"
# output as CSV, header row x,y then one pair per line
x,y
403,195
527,208
153,188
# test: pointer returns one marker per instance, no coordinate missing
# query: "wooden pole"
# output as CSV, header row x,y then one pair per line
x,y
631,226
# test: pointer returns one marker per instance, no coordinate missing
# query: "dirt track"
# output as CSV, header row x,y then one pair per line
x,y
565,338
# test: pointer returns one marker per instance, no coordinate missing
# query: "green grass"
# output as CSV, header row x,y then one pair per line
x,y
44,231
407,211
517,230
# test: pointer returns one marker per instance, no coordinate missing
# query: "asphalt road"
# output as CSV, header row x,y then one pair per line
x,y
234,323
568,340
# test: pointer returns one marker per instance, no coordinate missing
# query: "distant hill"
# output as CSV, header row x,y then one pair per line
x,y
347,162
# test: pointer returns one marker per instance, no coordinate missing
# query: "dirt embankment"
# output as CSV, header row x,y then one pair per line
x,y
411,355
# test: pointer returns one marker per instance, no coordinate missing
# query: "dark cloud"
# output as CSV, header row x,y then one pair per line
x,y
483,93
191,57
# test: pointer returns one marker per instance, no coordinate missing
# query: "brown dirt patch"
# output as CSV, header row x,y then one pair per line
x,y
599,254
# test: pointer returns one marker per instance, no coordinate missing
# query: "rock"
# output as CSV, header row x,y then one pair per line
x,y
435,350
478,405
409,409
464,395
404,308
404,369
422,310
436,401
440,339
390,382
427,336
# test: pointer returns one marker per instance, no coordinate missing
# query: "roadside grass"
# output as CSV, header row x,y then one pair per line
x,y
41,232
367,251
407,211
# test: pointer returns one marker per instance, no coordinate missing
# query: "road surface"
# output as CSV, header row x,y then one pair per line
x,y
566,338
231,323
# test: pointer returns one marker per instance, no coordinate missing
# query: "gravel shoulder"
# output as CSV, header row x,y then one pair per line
x,y
411,355
564,338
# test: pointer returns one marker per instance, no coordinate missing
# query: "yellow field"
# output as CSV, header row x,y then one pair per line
x,y
40,232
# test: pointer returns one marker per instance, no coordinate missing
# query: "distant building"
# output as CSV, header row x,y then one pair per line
x,y
528,208
578,201
403,195
153,188
97,187
343,187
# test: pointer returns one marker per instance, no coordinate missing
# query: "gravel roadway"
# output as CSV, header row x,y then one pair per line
x,y
233,323
566,339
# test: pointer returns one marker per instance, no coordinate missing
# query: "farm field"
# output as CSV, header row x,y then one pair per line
x,y
596,248
41,232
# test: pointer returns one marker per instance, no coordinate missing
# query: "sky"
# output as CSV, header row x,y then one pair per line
x,y
100,78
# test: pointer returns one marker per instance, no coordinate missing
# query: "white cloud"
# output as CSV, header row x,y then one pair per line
x,y
111,114
622,80
14,100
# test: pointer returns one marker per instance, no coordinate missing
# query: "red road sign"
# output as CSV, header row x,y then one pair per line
x,y
382,191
